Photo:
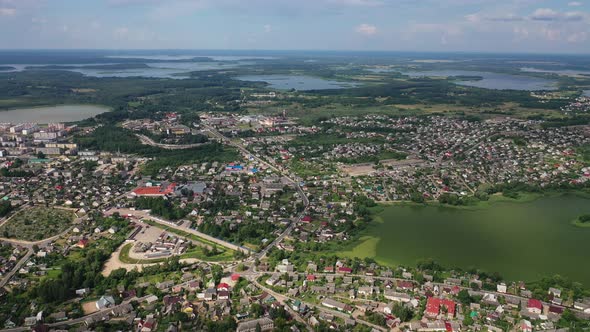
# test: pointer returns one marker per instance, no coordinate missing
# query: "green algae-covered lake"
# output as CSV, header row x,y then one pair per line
x,y
522,241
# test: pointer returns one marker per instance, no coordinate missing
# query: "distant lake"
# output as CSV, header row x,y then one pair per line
x,y
189,57
587,93
50,114
490,80
522,241
297,82
563,72
175,70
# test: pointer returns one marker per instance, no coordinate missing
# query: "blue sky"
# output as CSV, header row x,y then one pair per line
x,y
554,26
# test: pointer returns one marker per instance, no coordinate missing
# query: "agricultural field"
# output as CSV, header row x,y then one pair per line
x,y
36,224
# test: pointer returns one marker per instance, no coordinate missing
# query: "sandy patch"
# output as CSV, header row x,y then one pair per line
x,y
89,307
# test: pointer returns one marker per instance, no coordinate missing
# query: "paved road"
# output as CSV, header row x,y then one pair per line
x,y
80,320
148,141
145,215
286,176
285,299
17,267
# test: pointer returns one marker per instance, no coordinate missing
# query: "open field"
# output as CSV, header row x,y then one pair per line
x,y
36,223
522,241
309,115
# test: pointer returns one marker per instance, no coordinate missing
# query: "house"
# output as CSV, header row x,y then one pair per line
x,y
151,299
105,301
388,309
332,304
583,306
436,306
82,291
82,243
555,292
261,324
210,294
397,297
30,321
147,325
534,306
366,291
526,326
9,324
222,287
344,270
58,316
223,295
501,288
405,285
155,191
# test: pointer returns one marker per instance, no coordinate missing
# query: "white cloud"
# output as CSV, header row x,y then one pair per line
x,y
121,32
366,29
551,34
575,4
546,14
367,3
267,28
578,37
7,11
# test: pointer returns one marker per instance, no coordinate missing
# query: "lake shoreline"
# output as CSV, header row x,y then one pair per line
x,y
494,239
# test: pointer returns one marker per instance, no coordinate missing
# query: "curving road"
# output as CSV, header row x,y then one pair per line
x,y
148,141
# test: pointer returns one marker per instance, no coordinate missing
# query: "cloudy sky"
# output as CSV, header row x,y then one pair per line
x,y
556,26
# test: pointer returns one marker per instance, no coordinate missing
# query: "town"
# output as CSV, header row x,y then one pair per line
x,y
246,243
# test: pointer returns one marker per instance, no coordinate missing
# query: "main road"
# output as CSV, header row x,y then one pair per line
x,y
248,154
148,141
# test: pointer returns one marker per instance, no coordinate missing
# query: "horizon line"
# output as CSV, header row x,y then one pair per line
x,y
297,51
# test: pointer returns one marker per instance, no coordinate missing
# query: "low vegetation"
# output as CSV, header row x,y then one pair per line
x,y
37,223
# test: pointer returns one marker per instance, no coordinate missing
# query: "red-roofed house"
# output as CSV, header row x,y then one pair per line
x,y
436,307
222,287
535,306
82,243
158,191
556,310
310,277
406,285
235,277
345,270
306,219
329,269
448,327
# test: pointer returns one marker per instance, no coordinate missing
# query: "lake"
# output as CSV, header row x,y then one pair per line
x,y
586,93
174,70
491,80
522,241
50,114
563,72
297,82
